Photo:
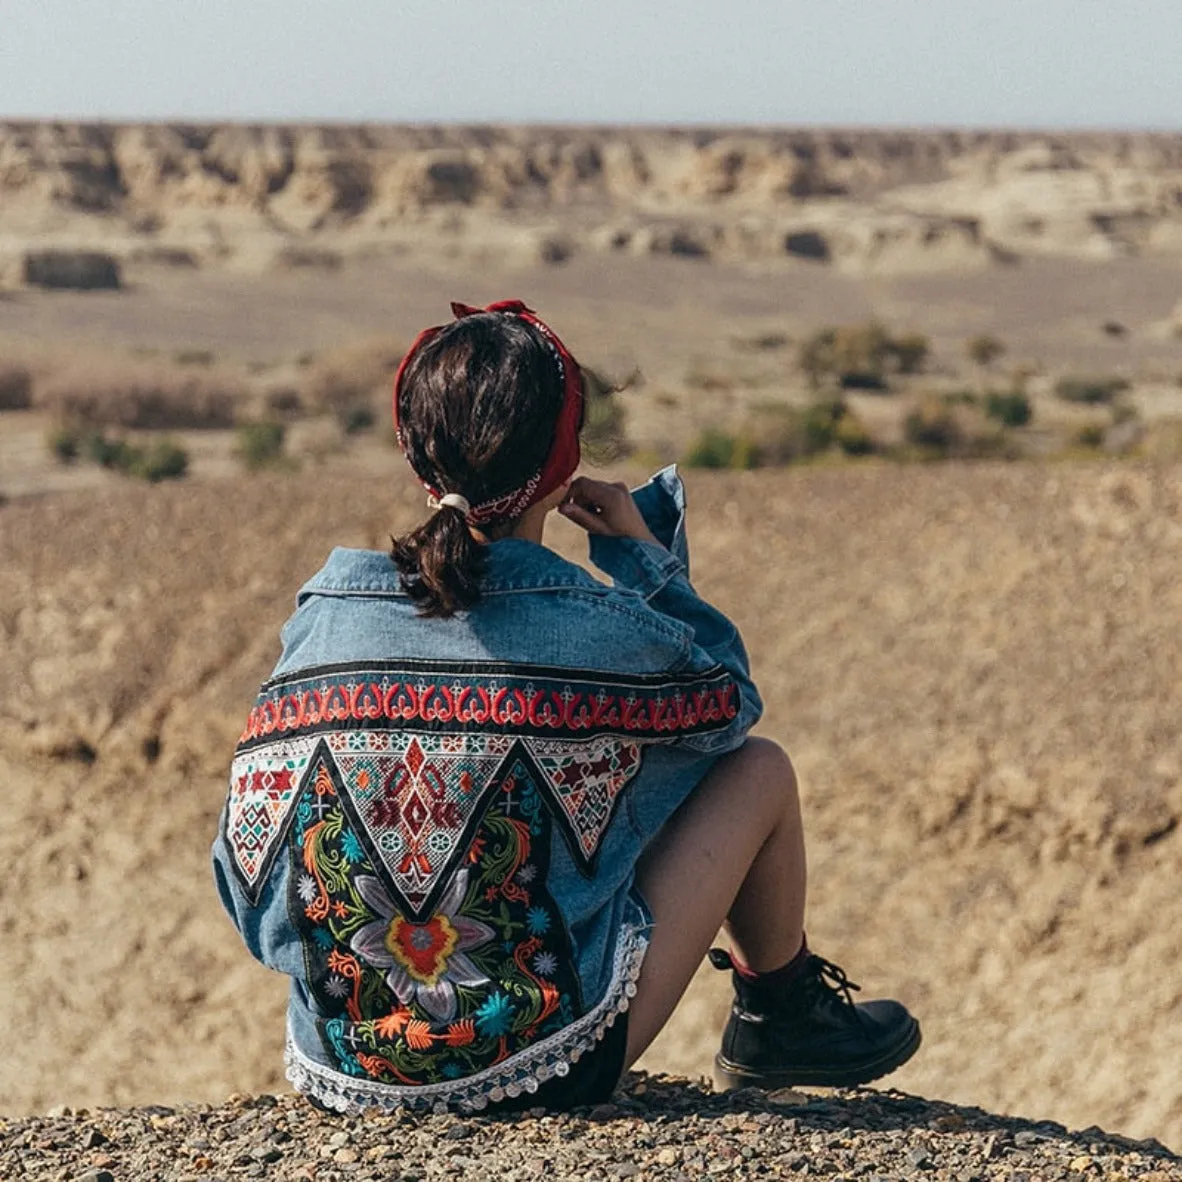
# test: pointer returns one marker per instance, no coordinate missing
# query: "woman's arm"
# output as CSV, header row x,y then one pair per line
x,y
639,539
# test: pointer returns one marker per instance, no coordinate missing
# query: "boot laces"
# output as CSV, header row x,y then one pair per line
x,y
832,977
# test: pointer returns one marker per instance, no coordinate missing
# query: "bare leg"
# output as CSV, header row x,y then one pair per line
x,y
733,853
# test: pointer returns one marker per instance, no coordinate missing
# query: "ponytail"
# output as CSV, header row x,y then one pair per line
x,y
440,564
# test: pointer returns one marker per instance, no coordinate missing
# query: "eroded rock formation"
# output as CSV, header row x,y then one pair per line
x,y
239,194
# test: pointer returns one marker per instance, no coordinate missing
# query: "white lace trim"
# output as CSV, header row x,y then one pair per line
x,y
521,1072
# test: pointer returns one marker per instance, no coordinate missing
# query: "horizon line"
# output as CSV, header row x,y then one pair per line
x,y
688,125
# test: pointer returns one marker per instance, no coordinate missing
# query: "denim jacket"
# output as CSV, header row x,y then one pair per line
x,y
432,826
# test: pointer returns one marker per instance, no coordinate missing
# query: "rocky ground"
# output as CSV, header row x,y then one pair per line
x,y
659,1128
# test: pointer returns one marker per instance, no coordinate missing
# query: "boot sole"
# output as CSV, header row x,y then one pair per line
x,y
729,1076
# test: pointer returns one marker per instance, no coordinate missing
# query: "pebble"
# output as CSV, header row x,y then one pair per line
x,y
656,1128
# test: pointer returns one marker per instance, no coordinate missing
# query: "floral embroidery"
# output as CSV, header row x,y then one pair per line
x,y
425,961
424,1000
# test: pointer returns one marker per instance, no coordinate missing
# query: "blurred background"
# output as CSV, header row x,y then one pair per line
x,y
900,290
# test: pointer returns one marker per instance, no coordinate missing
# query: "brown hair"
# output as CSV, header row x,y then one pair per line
x,y
477,411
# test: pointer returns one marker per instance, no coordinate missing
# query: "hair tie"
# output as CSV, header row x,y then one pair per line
x,y
450,501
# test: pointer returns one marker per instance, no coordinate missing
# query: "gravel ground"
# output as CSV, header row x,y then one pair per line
x,y
658,1127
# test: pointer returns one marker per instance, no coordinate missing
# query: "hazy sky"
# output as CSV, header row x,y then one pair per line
x,y
991,62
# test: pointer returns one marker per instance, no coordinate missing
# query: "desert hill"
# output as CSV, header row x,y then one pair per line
x,y
975,667
260,196
973,664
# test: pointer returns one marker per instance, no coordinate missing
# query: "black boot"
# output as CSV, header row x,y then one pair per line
x,y
808,1031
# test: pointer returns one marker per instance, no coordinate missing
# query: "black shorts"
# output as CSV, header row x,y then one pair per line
x,y
590,1081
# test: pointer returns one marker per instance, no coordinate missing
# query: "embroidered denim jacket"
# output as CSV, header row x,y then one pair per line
x,y
432,826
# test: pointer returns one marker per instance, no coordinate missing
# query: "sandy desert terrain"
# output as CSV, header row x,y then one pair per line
x,y
973,663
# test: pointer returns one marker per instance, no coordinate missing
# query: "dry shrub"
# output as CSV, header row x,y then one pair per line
x,y
1090,391
144,397
353,376
283,400
935,429
935,426
984,350
861,356
16,387
789,433
1164,442
604,435
779,434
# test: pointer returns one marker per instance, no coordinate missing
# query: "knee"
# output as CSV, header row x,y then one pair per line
x,y
768,765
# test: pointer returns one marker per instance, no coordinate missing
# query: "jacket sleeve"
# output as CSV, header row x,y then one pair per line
x,y
258,911
261,922
660,573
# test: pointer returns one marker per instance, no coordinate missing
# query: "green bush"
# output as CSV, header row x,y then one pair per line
x,y
1011,409
64,443
162,460
1091,435
718,449
261,445
1090,391
106,451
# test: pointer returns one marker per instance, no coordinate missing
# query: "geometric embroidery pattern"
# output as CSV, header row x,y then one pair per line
x,y
585,779
498,699
414,801
415,751
264,785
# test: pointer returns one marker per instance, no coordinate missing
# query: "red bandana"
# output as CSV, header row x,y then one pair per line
x,y
564,453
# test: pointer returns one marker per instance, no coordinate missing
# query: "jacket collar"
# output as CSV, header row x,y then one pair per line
x,y
514,564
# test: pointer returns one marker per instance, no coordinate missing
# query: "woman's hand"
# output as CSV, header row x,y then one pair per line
x,y
605,509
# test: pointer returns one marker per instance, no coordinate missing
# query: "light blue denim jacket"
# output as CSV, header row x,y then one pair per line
x,y
433,826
